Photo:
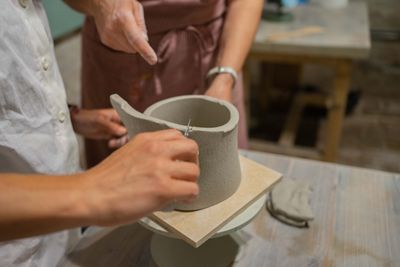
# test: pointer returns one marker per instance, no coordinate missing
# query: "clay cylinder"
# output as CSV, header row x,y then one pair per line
x,y
213,125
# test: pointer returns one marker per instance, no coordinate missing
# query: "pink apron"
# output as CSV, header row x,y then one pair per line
x,y
185,36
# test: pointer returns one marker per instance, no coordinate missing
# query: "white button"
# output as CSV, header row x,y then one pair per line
x,y
45,63
23,3
61,116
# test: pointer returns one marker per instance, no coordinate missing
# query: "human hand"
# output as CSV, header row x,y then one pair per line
x,y
221,87
149,172
100,124
121,26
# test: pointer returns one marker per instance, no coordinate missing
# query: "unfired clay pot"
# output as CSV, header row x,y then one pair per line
x,y
213,126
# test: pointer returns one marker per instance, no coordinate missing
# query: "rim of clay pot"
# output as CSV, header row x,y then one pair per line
x,y
226,127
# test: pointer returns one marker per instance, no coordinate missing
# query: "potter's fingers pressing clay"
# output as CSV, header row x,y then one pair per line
x,y
186,150
289,202
183,171
212,123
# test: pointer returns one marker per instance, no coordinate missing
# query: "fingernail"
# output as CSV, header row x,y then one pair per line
x,y
152,58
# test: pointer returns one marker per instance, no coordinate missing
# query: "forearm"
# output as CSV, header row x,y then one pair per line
x,y
240,27
38,204
146,174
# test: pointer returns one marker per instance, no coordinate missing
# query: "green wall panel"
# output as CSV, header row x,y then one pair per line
x,y
62,18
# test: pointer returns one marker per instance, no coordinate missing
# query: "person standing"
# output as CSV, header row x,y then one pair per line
x,y
199,48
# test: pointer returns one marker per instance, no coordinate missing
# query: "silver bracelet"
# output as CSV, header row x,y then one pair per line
x,y
218,70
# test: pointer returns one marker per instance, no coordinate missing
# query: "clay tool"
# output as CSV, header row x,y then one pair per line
x,y
188,129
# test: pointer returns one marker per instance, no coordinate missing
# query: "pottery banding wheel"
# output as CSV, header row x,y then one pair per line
x,y
168,250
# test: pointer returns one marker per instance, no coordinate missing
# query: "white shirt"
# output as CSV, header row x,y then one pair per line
x,y
35,129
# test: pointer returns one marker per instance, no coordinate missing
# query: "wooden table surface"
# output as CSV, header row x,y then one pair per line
x,y
345,32
317,35
357,223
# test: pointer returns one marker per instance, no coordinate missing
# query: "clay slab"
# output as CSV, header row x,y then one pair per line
x,y
196,227
214,128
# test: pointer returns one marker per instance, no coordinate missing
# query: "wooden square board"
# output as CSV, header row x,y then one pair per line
x,y
196,227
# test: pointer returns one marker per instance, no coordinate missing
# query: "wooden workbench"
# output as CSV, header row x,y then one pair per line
x,y
357,223
330,37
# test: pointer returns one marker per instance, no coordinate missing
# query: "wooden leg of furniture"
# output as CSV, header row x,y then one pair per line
x,y
266,84
288,135
337,106
301,100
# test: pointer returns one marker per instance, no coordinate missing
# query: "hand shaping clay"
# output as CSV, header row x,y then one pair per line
x,y
213,125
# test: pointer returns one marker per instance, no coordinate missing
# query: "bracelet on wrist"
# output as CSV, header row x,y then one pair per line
x,y
222,70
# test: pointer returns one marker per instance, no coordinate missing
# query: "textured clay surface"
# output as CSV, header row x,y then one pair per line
x,y
213,126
